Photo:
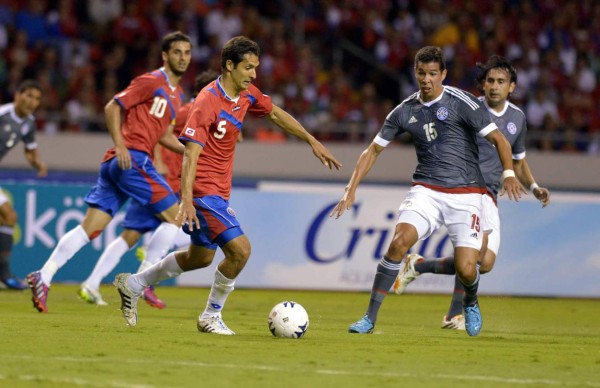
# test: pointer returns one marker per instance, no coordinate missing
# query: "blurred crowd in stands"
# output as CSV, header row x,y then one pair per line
x,y
339,66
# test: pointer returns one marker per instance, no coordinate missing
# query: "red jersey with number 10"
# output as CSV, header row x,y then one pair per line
x,y
150,104
215,122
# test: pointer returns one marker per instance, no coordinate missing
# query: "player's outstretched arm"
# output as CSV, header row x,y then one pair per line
x,y
112,114
510,184
33,157
366,160
289,124
524,174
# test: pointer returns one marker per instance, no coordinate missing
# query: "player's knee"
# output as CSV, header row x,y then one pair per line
x,y
242,253
485,268
467,272
397,249
487,263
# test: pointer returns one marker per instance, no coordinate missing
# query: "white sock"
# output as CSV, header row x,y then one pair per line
x,y
107,262
67,246
182,240
159,244
219,292
167,268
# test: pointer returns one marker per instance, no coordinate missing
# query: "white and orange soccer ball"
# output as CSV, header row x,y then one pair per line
x,y
288,320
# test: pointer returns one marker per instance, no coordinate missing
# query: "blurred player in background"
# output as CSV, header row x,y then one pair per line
x,y
140,220
210,135
17,124
149,106
497,79
447,185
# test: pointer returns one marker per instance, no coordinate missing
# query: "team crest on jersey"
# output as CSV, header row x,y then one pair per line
x,y
442,113
24,129
231,212
7,128
190,131
511,128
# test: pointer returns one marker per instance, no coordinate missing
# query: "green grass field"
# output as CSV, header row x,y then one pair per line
x,y
525,342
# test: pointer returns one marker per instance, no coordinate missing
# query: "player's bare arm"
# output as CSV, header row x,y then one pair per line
x,y
187,211
524,174
33,157
112,114
510,184
169,141
289,124
364,164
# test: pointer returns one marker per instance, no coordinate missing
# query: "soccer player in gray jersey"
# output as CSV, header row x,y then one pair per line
x,y
447,184
17,124
497,79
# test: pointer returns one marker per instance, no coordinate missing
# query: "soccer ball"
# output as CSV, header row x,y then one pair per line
x,y
288,320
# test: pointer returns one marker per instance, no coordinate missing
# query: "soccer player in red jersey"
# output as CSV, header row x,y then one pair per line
x,y
210,137
149,105
140,220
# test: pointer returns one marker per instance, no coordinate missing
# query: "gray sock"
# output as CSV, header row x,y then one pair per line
x,y
456,305
387,271
470,297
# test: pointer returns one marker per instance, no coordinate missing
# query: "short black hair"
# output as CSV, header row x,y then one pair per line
x,y
204,79
172,37
429,54
29,84
495,62
235,49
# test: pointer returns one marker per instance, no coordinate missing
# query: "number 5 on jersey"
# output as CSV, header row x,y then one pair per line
x,y
220,132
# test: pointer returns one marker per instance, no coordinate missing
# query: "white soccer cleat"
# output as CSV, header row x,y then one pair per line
x,y
213,324
457,322
91,296
129,299
408,273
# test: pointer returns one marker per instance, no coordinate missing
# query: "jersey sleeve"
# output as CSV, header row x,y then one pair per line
x,y
139,90
261,103
202,115
29,137
392,127
476,115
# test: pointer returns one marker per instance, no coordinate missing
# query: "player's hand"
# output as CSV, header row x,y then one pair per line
x,y
542,194
123,157
344,204
187,215
513,188
326,157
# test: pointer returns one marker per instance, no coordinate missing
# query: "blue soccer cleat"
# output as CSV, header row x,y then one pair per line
x,y
14,283
473,320
362,326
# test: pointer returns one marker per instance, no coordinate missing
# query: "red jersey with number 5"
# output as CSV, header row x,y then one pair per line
x,y
150,104
215,122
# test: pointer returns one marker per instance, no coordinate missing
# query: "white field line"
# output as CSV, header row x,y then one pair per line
x,y
341,372
72,381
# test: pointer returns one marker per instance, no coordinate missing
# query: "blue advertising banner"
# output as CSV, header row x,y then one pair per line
x,y
296,245
46,212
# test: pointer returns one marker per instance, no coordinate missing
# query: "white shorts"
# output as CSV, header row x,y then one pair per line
x,y
3,197
490,223
427,210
